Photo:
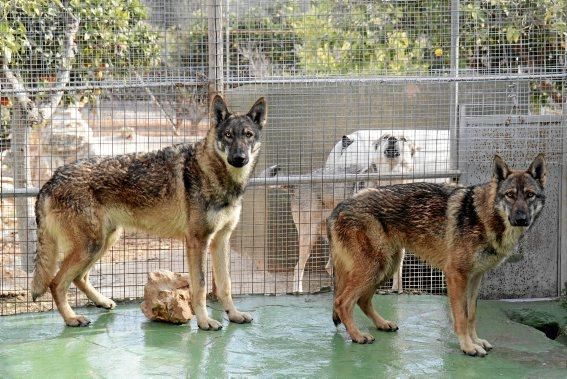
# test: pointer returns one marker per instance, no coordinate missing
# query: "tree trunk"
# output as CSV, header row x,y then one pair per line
x,y
25,215
25,115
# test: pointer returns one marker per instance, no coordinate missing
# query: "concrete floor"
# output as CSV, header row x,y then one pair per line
x,y
290,336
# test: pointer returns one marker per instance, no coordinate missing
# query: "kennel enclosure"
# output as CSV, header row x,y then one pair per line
x,y
463,80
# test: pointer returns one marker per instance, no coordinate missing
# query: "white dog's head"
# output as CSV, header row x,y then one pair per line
x,y
393,153
374,151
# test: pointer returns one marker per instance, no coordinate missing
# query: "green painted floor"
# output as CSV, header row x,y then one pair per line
x,y
290,336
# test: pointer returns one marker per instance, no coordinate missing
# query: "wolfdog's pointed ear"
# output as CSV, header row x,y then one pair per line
x,y
538,170
259,112
219,110
501,169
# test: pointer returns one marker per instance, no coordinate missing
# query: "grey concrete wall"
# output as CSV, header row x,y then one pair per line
x,y
532,271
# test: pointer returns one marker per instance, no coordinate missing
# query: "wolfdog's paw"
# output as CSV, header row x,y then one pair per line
x,y
362,338
474,350
388,326
240,317
484,343
106,304
209,324
78,321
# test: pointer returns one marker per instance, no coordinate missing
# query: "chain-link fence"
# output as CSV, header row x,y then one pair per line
x,y
453,81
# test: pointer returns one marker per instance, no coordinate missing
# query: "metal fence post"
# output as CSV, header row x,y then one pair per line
x,y
27,234
215,45
562,232
454,113
563,199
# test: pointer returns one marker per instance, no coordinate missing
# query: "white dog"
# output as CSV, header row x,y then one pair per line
x,y
360,153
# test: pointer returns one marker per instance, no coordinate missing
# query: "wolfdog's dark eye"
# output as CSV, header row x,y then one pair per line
x,y
249,134
510,194
228,134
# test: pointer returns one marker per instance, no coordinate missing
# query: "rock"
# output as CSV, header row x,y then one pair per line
x,y
542,321
167,297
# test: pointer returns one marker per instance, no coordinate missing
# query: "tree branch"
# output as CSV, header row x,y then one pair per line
x,y
20,92
64,71
157,102
35,114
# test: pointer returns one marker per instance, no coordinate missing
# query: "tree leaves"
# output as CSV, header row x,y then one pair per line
x,y
512,34
113,34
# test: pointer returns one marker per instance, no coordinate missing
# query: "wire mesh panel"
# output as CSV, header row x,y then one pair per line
x,y
307,120
93,78
452,82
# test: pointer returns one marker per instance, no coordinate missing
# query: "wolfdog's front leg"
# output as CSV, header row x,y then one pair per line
x,y
220,253
196,250
472,295
457,290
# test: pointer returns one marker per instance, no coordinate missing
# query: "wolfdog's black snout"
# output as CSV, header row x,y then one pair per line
x,y
520,218
392,150
238,160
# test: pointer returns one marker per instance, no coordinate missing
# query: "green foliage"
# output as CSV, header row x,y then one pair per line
x,y
265,37
260,37
397,37
345,37
4,127
112,38
187,46
513,34
326,37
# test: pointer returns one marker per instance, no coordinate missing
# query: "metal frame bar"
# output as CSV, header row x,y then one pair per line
x,y
293,180
454,113
400,79
216,47
319,178
562,229
515,119
307,80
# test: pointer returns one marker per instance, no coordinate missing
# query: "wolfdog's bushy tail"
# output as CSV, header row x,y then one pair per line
x,y
336,318
45,260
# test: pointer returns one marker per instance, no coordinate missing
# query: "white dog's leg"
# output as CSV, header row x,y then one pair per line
x,y
307,237
397,284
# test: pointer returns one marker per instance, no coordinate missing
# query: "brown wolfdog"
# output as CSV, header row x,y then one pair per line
x,y
189,192
463,231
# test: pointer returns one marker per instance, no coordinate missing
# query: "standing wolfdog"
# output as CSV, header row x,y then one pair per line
x,y
189,192
463,231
